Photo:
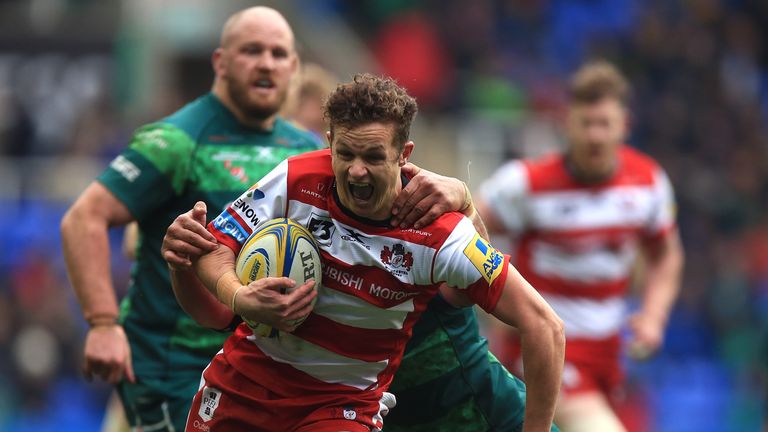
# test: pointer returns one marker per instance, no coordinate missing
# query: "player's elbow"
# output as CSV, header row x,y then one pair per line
x,y
65,225
549,327
556,327
72,220
82,216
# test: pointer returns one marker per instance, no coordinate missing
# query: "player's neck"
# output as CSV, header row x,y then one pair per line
x,y
265,124
588,177
386,210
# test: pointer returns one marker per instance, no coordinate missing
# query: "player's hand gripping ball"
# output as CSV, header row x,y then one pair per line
x,y
279,247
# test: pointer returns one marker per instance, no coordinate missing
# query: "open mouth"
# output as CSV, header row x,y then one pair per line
x,y
264,84
361,191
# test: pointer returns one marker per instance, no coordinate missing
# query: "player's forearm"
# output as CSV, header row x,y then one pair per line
x,y
663,277
216,271
85,244
197,301
542,337
543,352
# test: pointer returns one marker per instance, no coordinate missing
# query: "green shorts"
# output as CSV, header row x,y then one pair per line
x,y
158,405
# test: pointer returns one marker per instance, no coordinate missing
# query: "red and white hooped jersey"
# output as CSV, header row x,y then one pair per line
x,y
575,243
376,282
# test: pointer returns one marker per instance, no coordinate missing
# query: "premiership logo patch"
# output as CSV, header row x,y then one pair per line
x,y
210,402
485,258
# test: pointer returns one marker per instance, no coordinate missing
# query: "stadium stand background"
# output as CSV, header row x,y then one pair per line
x,y
76,76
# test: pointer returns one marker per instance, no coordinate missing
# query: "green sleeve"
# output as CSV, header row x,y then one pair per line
x,y
151,170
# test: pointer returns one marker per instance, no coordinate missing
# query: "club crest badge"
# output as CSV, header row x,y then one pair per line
x,y
397,260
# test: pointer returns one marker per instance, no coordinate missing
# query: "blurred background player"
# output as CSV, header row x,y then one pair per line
x,y
306,97
306,380
206,151
578,220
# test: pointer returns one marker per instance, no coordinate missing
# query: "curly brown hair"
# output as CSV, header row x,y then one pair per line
x,y
598,80
369,98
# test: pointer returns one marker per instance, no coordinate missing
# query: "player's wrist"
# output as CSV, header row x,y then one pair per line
x,y
466,207
469,211
233,306
102,320
226,288
655,315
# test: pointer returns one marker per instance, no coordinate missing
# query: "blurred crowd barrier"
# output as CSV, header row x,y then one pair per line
x,y
77,76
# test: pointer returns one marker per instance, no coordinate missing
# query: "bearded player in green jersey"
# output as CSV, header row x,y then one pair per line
x,y
208,150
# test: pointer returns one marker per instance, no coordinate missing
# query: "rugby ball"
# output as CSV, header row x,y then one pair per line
x,y
279,247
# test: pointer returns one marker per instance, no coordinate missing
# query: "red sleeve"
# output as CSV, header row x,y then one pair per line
x,y
487,296
225,239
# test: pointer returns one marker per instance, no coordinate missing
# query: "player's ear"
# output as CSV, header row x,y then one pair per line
x,y
406,153
217,61
329,137
295,64
627,123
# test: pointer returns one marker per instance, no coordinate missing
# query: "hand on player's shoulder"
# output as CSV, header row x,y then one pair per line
x,y
426,196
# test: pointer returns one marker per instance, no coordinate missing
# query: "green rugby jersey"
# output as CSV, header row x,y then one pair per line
x,y
449,381
201,153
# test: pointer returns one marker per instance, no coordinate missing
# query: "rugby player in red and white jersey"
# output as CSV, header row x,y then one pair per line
x,y
579,218
331,372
